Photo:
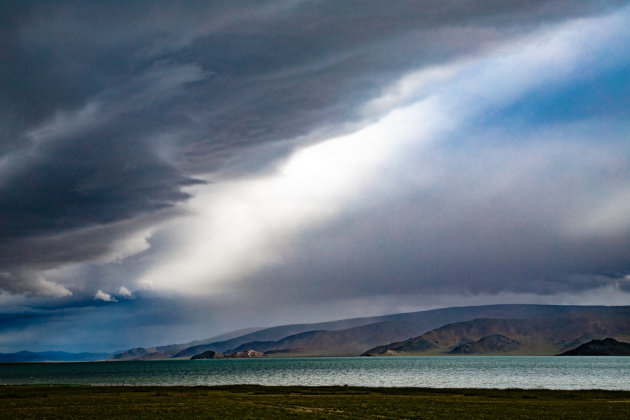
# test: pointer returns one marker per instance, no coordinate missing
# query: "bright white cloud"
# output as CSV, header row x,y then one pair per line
x,y
105,297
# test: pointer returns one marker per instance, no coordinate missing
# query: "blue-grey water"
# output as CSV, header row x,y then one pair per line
x,y
435,372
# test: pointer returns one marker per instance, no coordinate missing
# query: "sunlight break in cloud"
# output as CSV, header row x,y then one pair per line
x,y
240,226
243,225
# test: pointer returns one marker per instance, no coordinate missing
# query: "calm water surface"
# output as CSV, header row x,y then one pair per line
x,y
435,372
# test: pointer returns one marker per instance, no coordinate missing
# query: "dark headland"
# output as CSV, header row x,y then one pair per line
x,y
605,347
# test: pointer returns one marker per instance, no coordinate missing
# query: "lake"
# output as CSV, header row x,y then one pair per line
x,y
433,372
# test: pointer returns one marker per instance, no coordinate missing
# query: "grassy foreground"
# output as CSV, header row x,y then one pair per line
x,y
248,401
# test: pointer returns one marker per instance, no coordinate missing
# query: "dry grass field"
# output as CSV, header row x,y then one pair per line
x,y
258,402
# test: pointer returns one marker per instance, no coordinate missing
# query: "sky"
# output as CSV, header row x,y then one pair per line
x,y
174,170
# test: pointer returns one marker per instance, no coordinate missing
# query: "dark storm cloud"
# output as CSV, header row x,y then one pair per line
x,y
108,109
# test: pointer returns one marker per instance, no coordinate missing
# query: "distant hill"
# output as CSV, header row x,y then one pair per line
x,y
495,343
153,356
131,354
347,342
51,356
606,347
272,334
167,351
542,335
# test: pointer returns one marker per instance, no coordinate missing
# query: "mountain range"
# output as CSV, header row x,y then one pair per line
x,y
490,329
547,335
350,337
